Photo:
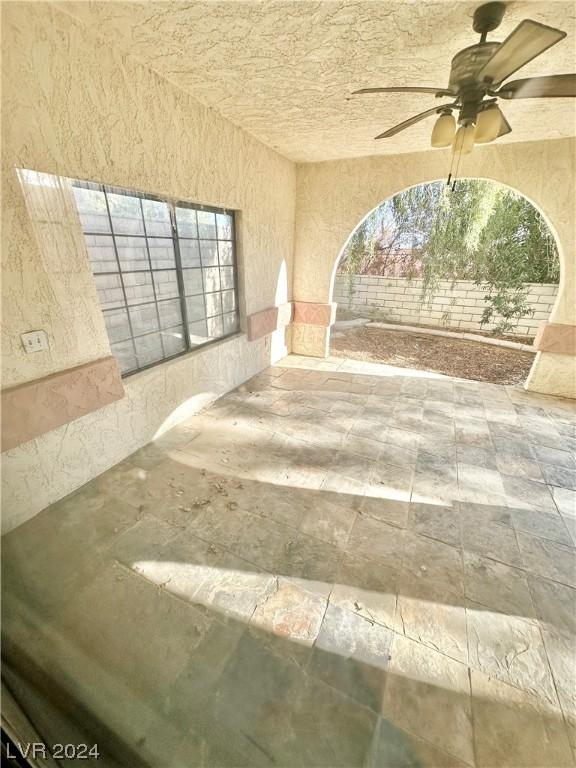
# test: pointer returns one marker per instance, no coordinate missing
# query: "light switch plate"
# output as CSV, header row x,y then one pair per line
x,y
34,341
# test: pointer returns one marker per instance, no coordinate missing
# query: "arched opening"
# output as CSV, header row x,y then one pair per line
x,y
457,283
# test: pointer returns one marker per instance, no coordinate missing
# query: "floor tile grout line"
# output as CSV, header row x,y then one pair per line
x,y
472,715
214,616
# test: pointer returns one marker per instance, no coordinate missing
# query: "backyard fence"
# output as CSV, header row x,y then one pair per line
x,y
453,305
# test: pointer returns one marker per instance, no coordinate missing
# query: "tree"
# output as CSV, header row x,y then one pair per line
x,y
401,223
516,247
482,232
457,224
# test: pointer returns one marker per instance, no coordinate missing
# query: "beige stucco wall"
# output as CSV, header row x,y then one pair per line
x,y
72,106
333,197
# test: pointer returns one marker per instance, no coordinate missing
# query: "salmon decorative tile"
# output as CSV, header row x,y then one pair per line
x,y
314,314
38,406
268,320
558,338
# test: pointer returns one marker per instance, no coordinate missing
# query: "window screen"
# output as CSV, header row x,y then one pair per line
x,y
165,272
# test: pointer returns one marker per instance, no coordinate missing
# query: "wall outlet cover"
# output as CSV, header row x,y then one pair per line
x,y
34,341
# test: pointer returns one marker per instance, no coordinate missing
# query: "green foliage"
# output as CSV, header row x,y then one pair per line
x,y
359,250
508,303
406,216
482,232
516,247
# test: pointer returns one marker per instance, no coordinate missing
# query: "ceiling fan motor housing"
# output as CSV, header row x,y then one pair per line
x,y
464,79
467,63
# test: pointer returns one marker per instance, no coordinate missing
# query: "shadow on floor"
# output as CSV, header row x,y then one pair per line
x,y
331,572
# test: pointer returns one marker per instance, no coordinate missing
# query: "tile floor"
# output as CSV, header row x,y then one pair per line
x,y
337,564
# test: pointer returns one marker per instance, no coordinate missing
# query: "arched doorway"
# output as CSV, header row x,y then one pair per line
x,y
429,273
334,196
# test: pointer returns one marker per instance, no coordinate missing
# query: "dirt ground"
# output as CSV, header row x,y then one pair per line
x,y
464,359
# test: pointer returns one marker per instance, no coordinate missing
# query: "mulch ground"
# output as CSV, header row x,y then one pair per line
x,y
452,357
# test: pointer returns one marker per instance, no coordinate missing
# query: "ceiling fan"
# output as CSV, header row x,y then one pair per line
x,y
476,82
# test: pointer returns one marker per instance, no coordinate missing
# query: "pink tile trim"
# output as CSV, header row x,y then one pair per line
x,y
557,338
314,314
268,320
36,407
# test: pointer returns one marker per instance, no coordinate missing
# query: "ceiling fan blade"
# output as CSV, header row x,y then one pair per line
x,y
412,120
406,89
551,86
528,40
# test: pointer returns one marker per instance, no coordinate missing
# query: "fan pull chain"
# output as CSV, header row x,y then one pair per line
x,y
459,153
450,172
457,169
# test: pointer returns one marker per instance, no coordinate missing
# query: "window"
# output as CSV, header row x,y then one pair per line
x,y
165,272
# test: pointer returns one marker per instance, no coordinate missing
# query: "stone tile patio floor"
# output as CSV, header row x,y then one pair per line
x,y
337,564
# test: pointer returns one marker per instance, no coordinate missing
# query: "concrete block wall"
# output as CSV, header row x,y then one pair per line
x,y
454,305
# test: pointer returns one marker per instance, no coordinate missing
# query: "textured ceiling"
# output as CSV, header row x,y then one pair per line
x,y
283,70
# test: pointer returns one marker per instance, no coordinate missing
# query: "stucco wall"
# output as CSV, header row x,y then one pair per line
x,y
333,197
75,107
458,304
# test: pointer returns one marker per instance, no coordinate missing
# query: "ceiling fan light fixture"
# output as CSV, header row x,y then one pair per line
x,y
488,125
444,130
464,139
